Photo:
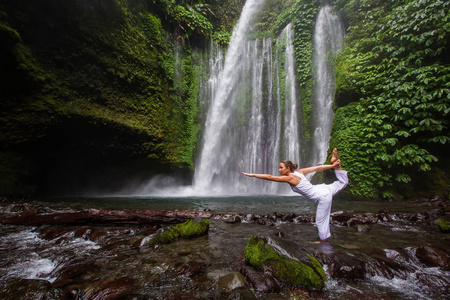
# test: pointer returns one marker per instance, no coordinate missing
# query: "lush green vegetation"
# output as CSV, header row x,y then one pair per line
x,y
396,68
302,15
126,71
125,75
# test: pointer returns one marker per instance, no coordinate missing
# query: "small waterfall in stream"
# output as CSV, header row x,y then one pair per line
x,y
328,34
253,111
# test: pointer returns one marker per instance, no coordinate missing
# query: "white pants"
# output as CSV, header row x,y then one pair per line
x,y
324,203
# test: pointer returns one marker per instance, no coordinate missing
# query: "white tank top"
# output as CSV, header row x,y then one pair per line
x,y
305,187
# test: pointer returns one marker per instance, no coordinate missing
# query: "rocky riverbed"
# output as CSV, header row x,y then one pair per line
x,y
52,252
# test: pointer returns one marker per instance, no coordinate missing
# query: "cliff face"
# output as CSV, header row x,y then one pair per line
x,y
85,89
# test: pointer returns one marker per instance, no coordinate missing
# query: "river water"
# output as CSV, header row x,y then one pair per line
x,y
61,263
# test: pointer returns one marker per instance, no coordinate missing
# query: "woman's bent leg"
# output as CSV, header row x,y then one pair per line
x,y
341,183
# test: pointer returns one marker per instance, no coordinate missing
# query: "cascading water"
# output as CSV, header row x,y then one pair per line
x,y
291,110
254,109
217,166
328,34
246,120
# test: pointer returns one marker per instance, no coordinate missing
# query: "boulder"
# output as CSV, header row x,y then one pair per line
x,y
343,265
432,257
285,267
232,281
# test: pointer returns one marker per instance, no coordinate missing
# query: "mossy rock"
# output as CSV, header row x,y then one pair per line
x,y
188,229
308,274
444,224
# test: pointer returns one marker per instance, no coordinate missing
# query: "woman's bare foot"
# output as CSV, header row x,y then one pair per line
x,y
335,156
318,242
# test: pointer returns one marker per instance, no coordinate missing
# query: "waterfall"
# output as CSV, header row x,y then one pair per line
x,y
252,107
253,111
328,34
216,168
290,136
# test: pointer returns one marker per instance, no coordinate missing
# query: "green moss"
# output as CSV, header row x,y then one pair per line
x,y
444,225
261,255
9,35
187,229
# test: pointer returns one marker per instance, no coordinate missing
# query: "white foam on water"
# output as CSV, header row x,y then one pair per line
x,y
30,257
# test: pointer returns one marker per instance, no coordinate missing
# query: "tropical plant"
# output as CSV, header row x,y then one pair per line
x,y
398,65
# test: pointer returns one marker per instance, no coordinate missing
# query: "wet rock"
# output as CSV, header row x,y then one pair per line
x,y
435,213
114,289
263,256
29,289
188,229
265,221
356,219
433,257
288,217
99,236
232,281
249,218
274,217
232,219
13,208
444,224
340,217
260,281
72,271
83,232
241,293
418,217
383,263
302,219
384,215
52,232
102,216
400,257
343,265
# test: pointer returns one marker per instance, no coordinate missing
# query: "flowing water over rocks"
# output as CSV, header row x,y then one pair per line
x,y
49,251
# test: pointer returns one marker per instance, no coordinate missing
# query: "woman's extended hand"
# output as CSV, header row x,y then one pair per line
x,y
337,163
248,174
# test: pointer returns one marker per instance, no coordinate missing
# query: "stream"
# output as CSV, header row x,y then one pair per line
x,y
381,259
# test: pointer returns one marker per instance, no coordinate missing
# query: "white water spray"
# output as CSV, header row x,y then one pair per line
x,y
328,34
219,137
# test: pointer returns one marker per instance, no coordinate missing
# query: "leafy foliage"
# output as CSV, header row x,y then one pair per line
x,y
398,65
188,17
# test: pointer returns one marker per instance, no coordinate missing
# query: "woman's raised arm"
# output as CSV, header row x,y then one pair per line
x,y
308,170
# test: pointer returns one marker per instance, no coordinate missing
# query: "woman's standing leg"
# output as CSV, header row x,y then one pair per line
x,y
323,217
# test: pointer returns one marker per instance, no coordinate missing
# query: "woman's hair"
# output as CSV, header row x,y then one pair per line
x,y
290,165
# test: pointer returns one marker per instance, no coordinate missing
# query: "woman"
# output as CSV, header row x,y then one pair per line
x,y
321,193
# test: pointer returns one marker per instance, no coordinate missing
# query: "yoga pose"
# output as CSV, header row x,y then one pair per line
x,y
322,194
